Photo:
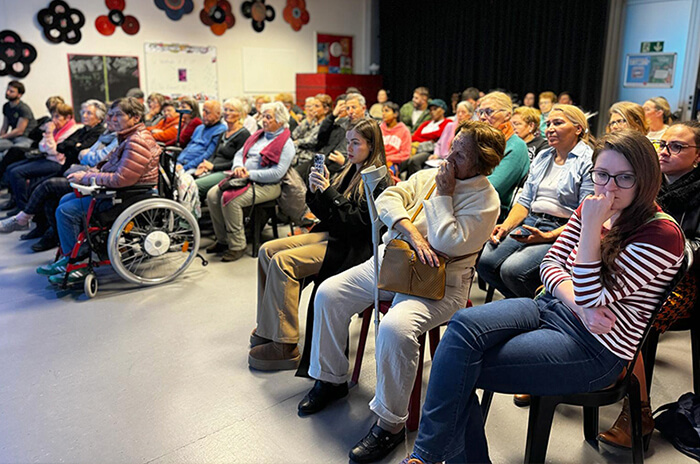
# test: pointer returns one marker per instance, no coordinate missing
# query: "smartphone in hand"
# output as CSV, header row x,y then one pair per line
x,y
520,232
319,161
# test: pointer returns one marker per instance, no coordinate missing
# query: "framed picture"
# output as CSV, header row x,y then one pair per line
x,y
650,70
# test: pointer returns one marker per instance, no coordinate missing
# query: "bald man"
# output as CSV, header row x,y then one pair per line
x,y
204,139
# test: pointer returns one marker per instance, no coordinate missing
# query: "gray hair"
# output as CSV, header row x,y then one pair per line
x,y
467,105
279,111
309,99
100,108
239,105
356,96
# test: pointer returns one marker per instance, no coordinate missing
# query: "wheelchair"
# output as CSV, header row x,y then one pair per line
x,y
147,239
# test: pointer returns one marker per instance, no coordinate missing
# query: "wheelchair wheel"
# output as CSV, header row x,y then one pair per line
x,y
153,241
90,285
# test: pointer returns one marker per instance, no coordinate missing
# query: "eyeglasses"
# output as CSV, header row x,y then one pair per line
x,y
487,111
617,122
624,181
673,147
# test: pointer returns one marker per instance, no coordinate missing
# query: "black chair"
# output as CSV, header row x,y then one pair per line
x,y
542,407
259,217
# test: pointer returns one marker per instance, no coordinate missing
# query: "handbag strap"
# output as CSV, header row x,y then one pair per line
x,y
420,207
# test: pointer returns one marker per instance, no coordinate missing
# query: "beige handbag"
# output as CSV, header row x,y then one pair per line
x,y
403,272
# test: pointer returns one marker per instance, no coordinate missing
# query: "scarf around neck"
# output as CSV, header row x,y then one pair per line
x,y
682,195
507,129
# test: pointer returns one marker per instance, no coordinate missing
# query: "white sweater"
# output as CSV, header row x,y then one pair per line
x,y
454,226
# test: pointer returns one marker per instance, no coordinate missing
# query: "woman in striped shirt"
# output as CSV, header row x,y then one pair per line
x,y
603,277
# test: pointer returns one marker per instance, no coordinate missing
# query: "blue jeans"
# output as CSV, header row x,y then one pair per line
x,y
519,345
31,170
70,216
513,267
21,142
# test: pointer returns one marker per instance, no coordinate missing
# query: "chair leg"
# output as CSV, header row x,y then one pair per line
x,y
489,294
538,428
695,343
273,219
434,336
636,421
590,423
364,330
486,399
414,402
649,356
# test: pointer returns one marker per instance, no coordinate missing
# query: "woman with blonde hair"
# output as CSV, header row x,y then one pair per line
x,y
526,122
558,182
627,115
340,241
657,112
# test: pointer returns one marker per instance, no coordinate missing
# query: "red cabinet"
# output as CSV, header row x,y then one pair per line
x,y
309,85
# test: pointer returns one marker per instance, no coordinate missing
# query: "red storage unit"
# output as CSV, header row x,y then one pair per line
x,y
309,85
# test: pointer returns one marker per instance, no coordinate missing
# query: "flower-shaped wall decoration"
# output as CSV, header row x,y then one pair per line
x,y
217,14
175,9
295,14
258,12
61,23
15,55
106,24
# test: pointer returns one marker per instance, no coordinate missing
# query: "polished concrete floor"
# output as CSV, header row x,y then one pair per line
x,y
160,375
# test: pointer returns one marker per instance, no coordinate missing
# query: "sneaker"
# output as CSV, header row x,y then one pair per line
x,y
57,267
74,277
274,357
11,224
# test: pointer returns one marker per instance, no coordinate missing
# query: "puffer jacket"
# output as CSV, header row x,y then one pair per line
x,y
133,162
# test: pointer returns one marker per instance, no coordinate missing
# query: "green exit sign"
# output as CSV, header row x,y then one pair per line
x,y
652,47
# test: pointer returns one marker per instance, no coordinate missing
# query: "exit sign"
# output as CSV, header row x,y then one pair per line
x,y
652,47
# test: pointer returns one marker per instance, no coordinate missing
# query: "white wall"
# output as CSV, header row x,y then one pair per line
x,y
49,73
669,21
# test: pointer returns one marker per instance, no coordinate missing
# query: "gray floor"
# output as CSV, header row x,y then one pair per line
x,y
160,375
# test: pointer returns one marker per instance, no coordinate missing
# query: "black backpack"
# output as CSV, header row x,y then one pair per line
x,y
679,423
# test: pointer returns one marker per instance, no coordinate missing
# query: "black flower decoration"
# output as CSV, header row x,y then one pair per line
x,y
61,23
258,12
15,55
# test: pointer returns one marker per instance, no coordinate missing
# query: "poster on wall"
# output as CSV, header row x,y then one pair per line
x,y
650,70
333,54
102,77
178,69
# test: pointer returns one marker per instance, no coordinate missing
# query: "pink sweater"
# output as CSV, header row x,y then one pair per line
x,y
51,140
397,142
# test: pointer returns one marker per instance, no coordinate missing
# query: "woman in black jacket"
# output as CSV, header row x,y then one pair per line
x,y
341,240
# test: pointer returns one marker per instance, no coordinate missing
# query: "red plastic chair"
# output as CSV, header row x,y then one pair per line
x,y
434,334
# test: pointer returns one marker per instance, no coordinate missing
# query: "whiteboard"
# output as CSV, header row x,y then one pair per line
x,y
178,69
267,70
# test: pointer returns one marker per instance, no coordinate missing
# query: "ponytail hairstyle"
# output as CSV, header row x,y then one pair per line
x,y
577,118
640,153
368,129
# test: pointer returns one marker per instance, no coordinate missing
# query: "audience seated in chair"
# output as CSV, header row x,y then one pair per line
x,y
658,115
211,171
18,120
190,121
154,114
545,102
424,138
679,196
583,331
42,204
263,161
558,182
204,139
165,130
454,206
397,137
464,112
340,241
415,112
526,123
627,115
133,162
305,136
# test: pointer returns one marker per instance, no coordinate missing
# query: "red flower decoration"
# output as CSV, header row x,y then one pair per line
x,y
295,14
106,24
217,14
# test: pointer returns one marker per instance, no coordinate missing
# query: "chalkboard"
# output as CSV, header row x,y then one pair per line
x,y
102,77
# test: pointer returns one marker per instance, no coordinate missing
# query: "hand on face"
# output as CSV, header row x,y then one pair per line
x,y
597,209
445,179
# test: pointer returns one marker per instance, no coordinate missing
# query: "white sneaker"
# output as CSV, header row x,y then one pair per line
x,y
11,224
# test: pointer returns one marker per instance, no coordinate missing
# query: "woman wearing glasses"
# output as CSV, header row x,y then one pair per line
x,y
679,155
496,110
557,184
627,115
583,330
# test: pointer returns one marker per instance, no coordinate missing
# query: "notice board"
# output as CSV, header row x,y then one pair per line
x,y
650,70
178,69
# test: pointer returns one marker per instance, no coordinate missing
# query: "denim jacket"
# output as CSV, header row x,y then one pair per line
x,y
574,184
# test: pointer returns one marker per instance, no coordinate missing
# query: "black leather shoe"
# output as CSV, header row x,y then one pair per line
x,y
36,232
376,445
10,205
47,242
217,247
320,396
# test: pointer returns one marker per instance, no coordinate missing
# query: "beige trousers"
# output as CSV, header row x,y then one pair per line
x,y
282,264
228,220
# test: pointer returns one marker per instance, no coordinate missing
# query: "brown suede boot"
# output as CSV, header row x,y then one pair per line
x,y
620,434
256,339
274,357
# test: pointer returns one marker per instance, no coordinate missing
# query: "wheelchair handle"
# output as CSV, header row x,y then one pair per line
x,y
86,189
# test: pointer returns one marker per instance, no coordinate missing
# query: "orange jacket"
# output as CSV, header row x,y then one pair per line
x,y
167,130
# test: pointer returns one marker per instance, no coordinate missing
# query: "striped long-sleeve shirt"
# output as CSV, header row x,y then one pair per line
x,y
647,263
